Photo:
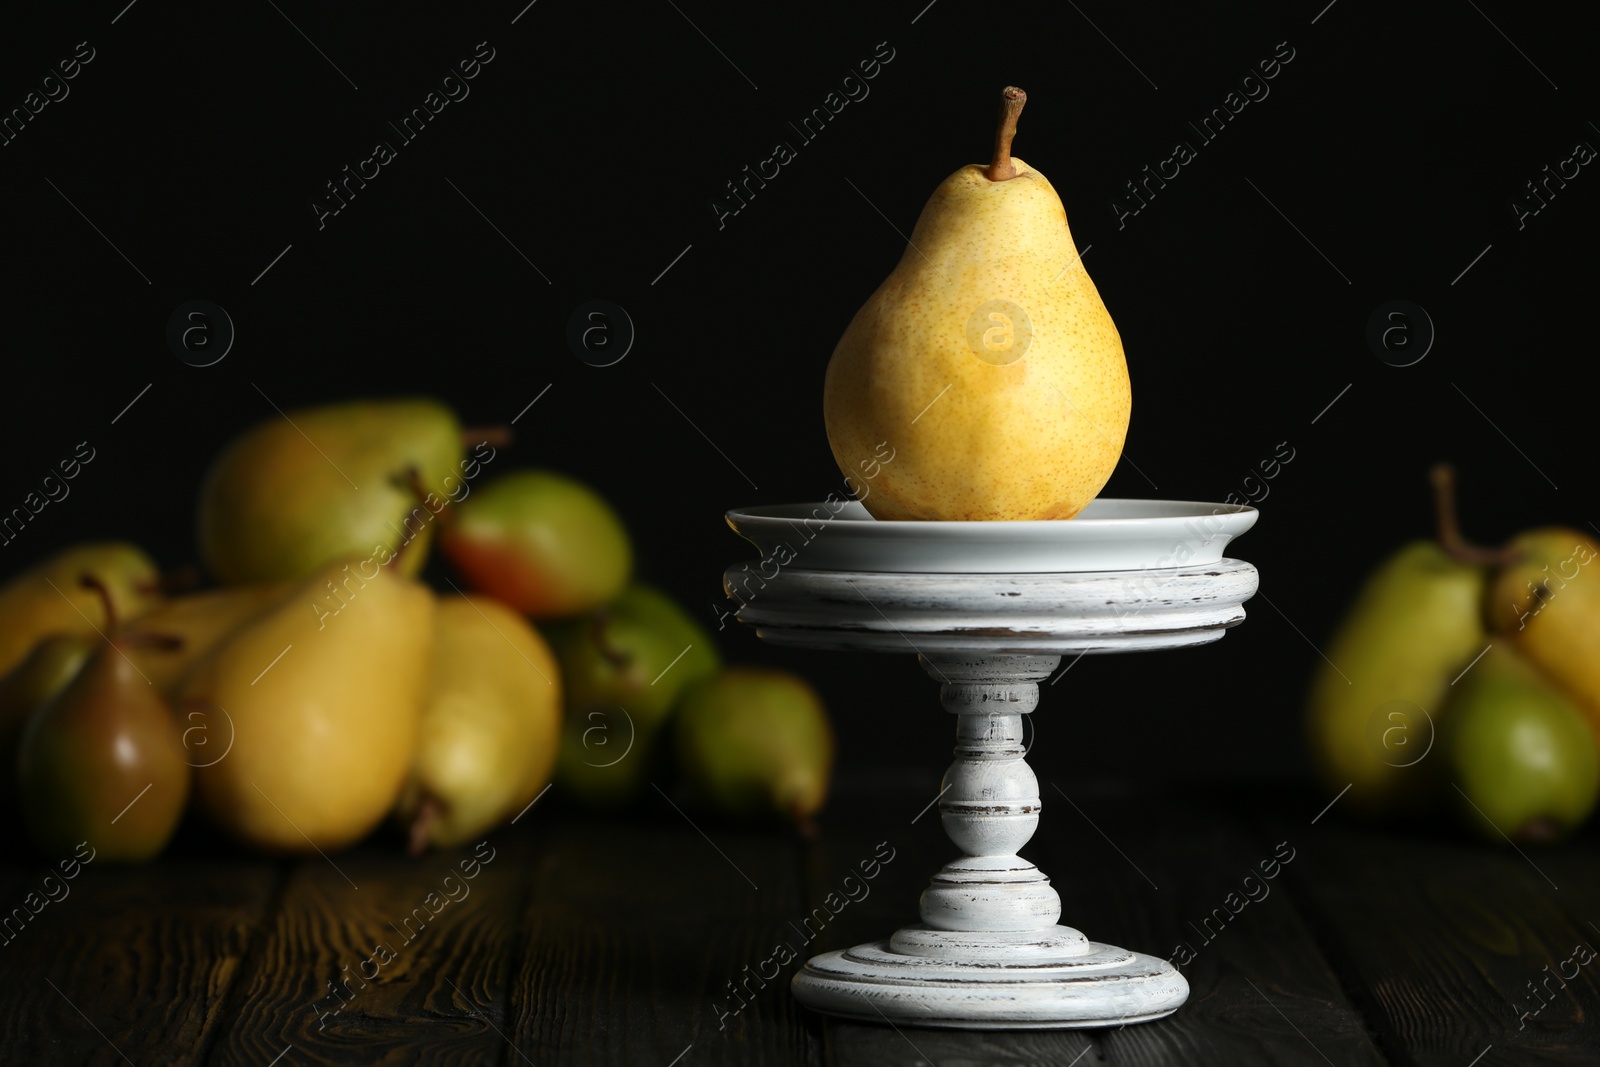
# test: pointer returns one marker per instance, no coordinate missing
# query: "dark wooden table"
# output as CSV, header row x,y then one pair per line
x,y
612,941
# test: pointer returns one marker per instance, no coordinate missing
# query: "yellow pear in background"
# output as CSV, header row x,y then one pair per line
x,y
986,359
51,597
200,622
490,724
324,693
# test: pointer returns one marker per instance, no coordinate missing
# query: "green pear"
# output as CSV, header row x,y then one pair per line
x,y
623,668
1377,697
1375,701
49,668
991,304
543,543
51,597
754,743
102,761
489,724
325,705
1518,751
346,481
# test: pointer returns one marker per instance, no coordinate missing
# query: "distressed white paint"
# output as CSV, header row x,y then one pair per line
x,y
989,952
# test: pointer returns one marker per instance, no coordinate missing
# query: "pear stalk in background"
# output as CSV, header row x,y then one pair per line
x,y
50,597
298,491
1375,702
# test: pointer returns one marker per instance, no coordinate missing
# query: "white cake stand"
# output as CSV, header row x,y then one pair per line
x,y
990,608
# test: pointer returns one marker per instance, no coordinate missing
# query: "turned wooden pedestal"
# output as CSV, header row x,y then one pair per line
x,y
990,952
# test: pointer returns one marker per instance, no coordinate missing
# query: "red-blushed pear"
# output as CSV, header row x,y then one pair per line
x,y
50,596
489,724
755,744
102,760
345,481
324,691
986,359
540,542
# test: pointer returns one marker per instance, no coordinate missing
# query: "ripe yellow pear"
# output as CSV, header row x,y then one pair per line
x,y
324,692
1546,601
490,723
986,360
200,621
51,597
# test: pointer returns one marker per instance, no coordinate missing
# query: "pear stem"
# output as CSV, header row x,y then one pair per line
x,y
617,658
428,813
92,581
1000,167
412,479
804,824
1443,476
497,436
150,639
185,579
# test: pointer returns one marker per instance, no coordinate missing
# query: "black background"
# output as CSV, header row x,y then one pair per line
x,y
1395,141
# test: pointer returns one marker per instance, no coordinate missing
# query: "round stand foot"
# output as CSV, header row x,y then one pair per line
x,y
1096,985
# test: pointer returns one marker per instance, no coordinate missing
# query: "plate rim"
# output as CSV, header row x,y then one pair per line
x,y
1244,513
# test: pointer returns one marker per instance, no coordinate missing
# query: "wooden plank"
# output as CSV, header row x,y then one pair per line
x,y
129,961
375,958
1258,971
634,931
1444,935
1184,876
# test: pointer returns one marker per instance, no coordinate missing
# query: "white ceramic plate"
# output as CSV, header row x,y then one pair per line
x,y
1108,535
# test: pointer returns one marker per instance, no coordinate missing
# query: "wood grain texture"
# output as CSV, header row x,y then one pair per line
x,y
1442,937
1155,873
634,930
427,952
132,962
609,941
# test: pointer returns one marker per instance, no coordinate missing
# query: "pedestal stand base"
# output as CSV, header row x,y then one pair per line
x,y
990,953
1053,979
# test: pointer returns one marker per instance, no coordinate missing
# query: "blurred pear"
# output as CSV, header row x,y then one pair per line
x,y
1547,604
622,668
50,597
754,743
355,480
543,543
325,700
489,724
1519,752
102,762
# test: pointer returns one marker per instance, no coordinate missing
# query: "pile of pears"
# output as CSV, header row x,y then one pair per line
x,y
1468,678
321,690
